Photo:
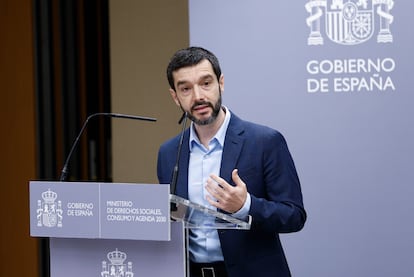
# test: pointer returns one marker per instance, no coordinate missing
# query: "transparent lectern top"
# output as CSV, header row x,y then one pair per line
x,y
198,216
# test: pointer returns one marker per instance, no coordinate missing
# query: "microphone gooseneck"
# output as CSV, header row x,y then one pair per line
x,y
173,184
116,115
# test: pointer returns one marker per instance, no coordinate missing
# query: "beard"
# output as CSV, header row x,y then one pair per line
x,y
216,109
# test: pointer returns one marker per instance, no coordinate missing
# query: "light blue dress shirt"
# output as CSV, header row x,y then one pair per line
x,y
205,244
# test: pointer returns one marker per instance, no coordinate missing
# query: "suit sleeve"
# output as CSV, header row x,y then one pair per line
x,y
278,207
165,163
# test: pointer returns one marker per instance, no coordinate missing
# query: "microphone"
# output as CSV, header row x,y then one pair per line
x,y
173,187
117,115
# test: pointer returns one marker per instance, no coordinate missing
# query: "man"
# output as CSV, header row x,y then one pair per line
x,y
232,165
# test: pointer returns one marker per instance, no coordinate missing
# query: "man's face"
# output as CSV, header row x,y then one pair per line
x,y
198,92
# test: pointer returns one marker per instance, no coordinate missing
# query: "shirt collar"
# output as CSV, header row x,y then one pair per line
x,y
219,136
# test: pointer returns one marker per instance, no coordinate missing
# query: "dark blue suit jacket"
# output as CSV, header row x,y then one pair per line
x,y
264,163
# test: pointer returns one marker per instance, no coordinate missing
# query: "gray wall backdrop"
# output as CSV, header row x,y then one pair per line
x,y
353,149
353,145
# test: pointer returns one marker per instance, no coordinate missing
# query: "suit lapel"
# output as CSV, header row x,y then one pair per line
x,y
232,147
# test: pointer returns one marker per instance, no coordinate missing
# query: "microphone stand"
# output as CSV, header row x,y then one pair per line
x,y
173,187
117,115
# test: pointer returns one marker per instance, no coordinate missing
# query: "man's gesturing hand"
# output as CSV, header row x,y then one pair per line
x,y
225,196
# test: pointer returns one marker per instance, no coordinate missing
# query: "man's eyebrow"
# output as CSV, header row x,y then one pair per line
x,y
205,76
181,83
202,77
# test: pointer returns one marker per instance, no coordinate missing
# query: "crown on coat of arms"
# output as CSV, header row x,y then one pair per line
x,y
49,196
117,257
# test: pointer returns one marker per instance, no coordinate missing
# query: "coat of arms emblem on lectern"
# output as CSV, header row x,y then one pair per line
x,y
116,267
49,211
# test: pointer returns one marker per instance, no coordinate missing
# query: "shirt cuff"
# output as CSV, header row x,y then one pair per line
x,y
243,213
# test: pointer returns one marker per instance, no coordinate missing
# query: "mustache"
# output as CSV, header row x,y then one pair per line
x,y
200,103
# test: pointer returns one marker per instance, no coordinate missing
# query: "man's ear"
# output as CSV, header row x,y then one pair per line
x,y
174,96
221,83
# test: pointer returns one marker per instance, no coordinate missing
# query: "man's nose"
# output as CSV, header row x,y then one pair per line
x,y
198,93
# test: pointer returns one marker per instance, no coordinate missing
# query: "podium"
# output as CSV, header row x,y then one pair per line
x,y
118,229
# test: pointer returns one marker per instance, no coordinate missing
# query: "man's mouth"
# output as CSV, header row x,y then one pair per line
x,y
200,108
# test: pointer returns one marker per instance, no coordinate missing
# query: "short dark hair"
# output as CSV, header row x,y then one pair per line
x,y
188,57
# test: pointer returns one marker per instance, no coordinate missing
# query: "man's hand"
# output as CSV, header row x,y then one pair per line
x,y
225,196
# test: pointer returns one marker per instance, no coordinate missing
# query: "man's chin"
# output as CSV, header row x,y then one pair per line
x,y
202,120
